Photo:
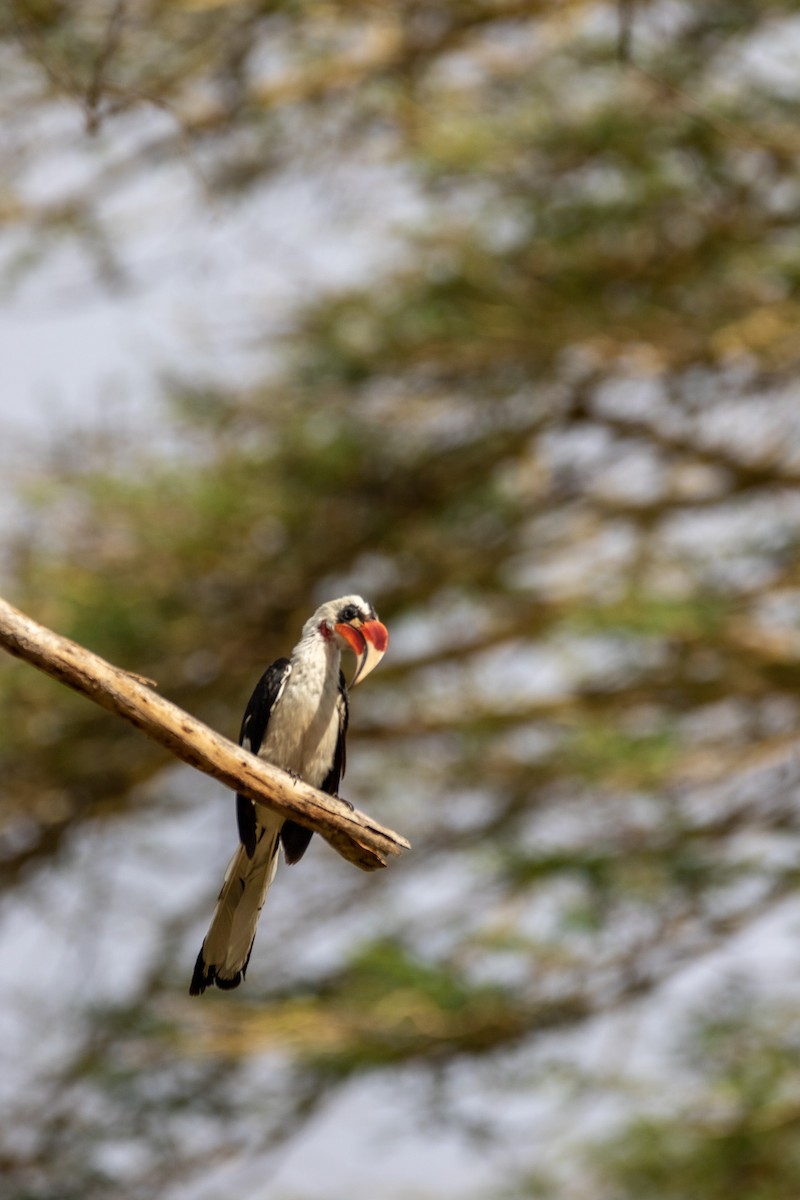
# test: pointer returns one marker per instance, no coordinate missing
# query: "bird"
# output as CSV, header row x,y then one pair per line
x,y
296,719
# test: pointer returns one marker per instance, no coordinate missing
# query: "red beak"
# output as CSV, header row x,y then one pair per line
x,y
368,642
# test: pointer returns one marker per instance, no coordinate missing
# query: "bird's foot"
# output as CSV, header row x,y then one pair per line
x,y
342,800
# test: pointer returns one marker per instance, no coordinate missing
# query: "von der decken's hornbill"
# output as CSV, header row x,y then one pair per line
x,y
296,719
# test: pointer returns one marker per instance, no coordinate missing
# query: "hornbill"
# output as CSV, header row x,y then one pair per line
x,y
296,719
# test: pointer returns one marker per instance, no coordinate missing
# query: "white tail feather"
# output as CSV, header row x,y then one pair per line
x,y
227,945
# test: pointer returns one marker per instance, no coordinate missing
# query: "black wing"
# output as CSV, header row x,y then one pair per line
x,y
331,782
295,838
254,726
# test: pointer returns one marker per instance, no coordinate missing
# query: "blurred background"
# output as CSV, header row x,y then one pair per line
x,y
488,310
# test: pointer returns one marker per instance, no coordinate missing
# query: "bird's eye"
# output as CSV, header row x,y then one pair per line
x,y
348,613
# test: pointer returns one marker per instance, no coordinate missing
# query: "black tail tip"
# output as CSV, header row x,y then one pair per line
x,y
227,985
204,976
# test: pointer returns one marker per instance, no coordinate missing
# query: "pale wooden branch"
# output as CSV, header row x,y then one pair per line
x,y
353,834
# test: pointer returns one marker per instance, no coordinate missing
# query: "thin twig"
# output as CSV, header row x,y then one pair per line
x,y
625,30
94,92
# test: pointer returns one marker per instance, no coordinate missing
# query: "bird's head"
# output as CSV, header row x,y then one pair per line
x,y
354,625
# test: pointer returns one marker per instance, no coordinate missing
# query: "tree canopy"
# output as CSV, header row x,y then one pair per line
x,y
557,443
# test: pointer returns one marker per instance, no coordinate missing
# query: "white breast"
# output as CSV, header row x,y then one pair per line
x,y
304,725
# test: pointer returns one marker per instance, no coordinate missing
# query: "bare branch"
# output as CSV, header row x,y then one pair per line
x,y
353,834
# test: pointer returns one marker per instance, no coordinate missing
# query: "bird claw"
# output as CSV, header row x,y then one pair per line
x,y
346,803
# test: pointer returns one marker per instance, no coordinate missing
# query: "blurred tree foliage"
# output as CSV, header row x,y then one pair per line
x,y
559,447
